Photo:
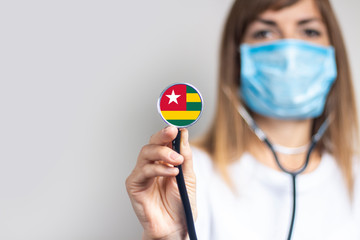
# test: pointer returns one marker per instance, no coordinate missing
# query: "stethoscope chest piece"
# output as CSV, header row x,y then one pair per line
x,y
180,105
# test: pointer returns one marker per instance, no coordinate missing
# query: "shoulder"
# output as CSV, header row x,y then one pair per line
x,y
356,165
356,174
356,193
203,164
203,168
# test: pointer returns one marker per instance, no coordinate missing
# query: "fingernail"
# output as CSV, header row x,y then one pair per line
x,y
175,156
166,128
173,170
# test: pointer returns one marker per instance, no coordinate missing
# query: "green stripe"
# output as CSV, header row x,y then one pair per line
x,y
190,90
180,123
193,106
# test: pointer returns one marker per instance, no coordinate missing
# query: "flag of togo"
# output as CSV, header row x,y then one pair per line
x,y
180,105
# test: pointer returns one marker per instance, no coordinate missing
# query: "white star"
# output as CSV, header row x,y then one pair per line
x,y
173,97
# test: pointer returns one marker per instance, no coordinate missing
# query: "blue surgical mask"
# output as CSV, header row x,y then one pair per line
x,y
287,79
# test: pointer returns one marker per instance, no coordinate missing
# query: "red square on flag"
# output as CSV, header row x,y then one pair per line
x,y
174,98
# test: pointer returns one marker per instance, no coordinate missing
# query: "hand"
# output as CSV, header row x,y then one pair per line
x,y
153,190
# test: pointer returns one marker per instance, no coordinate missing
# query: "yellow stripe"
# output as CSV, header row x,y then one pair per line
x,y
180,115
192,97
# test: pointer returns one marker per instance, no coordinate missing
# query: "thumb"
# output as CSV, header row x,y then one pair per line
x,y
185,151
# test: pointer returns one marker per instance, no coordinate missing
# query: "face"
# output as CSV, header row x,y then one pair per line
x,y
301,21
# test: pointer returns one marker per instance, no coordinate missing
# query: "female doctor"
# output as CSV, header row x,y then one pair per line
x,y
285,125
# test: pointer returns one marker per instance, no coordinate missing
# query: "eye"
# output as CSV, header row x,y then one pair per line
x,y
312,33
262,34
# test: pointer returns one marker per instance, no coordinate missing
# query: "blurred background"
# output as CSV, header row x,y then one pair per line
x,y
79,81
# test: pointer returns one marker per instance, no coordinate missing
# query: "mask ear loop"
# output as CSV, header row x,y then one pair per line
x,y
261,135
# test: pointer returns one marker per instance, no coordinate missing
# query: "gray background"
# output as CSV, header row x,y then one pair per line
x,y
79,81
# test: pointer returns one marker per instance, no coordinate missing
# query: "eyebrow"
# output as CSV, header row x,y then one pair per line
x,y
301,22
305,21
267,22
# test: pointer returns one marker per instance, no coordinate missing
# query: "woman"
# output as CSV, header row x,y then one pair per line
x,y
285,62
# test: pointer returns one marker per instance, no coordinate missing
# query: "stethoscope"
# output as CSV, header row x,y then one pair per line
x,y
275,148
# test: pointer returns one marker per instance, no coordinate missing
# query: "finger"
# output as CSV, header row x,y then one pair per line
x,y
164,136
185,151
159,153
150,171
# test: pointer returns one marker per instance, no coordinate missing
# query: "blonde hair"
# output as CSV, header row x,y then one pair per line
x,y
228,135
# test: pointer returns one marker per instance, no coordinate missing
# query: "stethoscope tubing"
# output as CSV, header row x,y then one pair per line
x,y
262,136
183,192
293,175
